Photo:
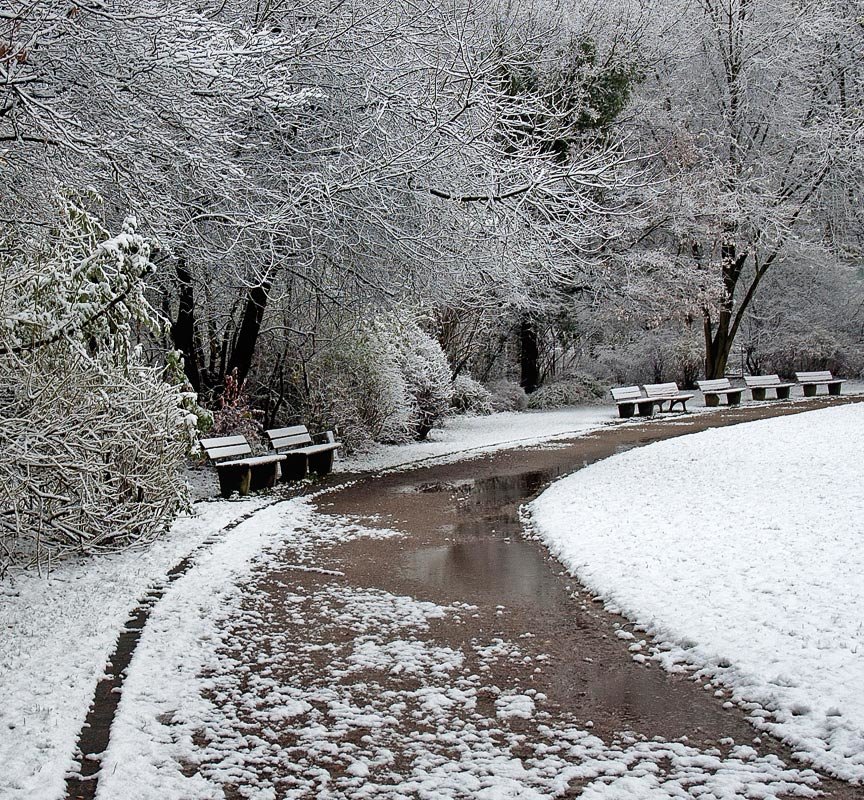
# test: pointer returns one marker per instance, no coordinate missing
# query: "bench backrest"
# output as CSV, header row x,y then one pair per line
x,y
661,389
715,385
759,381
813,377
288,438
222,447
627,393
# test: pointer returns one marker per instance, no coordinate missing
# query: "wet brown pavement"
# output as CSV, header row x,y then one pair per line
x,y
462,546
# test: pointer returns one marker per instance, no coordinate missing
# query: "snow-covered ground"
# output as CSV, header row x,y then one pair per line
x,y
56,634
741,551
464,436
348,698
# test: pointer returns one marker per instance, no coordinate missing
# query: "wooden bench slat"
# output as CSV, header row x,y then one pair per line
x,y
769,381
254,460
814,377
627,393
316,448
290,441
293,430
716,384
217,453
658,389
222,441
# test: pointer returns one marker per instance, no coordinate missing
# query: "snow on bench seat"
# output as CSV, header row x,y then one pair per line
x,y
240,475
667,392
300,451
630,398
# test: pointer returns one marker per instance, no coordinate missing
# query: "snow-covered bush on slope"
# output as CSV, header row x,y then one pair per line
x,y
357,388
575,391
93,439
425,370
387,382
508,396
470,396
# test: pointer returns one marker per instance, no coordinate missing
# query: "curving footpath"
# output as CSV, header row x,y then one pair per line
x,y
404,640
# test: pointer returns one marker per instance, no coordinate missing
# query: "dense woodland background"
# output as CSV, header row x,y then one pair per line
x,y
359,215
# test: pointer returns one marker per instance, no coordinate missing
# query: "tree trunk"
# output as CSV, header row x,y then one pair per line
x,y
529,356
246,340
718,343
717,346
183,329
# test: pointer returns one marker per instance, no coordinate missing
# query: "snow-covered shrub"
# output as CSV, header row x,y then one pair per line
x,y
470,396
508,396
93,439
572,391
816,349
425,369
91,456
388,381
357,388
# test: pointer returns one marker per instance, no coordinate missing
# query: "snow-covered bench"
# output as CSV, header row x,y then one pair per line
x,y
302,451
630,398
238,470
811,381
715,389
758,384
667,392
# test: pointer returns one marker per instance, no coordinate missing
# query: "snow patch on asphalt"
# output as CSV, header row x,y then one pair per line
x,y
740,550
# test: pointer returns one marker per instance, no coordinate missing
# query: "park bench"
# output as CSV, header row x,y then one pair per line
x,y
630,398
303,451
667,392
759,384
811,381
238,470
713,390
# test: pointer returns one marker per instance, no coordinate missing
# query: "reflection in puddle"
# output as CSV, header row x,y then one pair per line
x,y
515,570
489,562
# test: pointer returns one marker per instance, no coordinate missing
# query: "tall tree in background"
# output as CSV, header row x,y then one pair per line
x,y
749,112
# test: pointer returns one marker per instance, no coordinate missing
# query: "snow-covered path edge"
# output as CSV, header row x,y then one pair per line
x,y
628,530
58,633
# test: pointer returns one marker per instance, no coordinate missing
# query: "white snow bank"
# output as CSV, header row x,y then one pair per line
x,y
742,548
57,634
467,435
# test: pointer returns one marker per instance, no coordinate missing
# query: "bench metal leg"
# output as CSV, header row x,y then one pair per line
x,y
646,409
294,467
712,400
321,463
625,410
783,392
234,479
834,389
734,399
758,392
809,390
264,476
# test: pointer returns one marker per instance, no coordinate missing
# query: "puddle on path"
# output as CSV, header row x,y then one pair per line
x,y
487,560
